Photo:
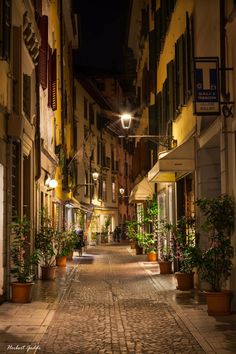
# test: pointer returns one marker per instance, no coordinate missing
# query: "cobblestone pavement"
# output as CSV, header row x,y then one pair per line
x,y
111,306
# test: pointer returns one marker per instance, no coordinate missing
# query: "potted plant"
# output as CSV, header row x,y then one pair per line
x,y
187,253
23,261
217,257
63,246
166,252
44,243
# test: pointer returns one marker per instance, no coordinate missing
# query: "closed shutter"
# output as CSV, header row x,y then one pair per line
x,y
54,80
153,126
164,109
158,31
5,28
43,51
180,72
171,90
152,61
49,76
159,112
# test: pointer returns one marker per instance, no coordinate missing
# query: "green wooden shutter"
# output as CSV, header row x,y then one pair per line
x,y
54,80
152,50
180,72
43,51
164,108
188,59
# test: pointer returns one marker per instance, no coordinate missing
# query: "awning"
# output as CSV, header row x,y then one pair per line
x,y
174,164
141,192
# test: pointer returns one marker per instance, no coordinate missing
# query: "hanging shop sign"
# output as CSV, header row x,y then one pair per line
x,y
206,85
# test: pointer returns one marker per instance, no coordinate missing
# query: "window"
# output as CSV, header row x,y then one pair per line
x,y
86,187
43,51
26,95
113,190
5,28
91,114
104,190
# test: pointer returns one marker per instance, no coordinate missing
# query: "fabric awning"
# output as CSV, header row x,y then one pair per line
x,y
174,164
141,192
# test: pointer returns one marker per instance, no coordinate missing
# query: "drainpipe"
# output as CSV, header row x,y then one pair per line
x,y
224,94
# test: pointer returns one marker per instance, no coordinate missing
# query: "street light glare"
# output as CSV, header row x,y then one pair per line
x,y
126,120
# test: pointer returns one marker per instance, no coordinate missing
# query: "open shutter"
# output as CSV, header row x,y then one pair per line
x,y
180,72
188,58
54,80
49,76
164,108
43,51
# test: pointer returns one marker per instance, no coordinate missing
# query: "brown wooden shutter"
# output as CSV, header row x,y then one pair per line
x,y
54,80
49,76
43,29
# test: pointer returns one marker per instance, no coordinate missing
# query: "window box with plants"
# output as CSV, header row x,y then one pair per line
x,y
217,257
186,253
23,261
44,243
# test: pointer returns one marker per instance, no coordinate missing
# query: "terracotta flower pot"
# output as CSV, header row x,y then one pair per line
x,y
61,261
21,292
165,267
151,257
184,281
219,303
48,273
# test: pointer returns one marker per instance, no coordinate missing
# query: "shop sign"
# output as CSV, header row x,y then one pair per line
x,y
206,85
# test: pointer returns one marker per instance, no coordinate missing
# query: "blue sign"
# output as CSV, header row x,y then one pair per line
x,y
207,97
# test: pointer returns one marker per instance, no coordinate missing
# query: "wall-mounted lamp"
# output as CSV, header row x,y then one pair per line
x,y
126,120
95,176
50,183
122,191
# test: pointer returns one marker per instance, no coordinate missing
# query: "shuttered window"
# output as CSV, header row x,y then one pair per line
x,y
5,28
158,31
153,124
159,111
171,90
180,72
54,80
16,102
43,51
26,95
164,109
91,114
49,76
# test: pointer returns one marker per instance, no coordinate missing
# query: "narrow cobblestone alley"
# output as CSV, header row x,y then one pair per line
x,y
111,306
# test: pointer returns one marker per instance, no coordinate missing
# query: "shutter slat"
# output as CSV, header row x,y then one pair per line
x,y
54,80
49,76
43,29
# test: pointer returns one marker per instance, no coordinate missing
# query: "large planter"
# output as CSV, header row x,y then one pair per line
x,y
151,257
61,261
21,292
165,267
184,281
48,273
219,303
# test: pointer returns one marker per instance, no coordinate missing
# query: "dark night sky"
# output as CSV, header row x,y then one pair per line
x,y
103,33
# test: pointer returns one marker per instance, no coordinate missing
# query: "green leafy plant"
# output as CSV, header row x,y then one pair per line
x,y
44,240
186,251
219,223
63,243
21,255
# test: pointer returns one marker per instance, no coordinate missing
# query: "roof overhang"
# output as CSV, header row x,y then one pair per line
x,y
174,164
141,192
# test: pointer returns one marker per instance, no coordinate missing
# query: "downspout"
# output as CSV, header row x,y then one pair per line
x,y
224,94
